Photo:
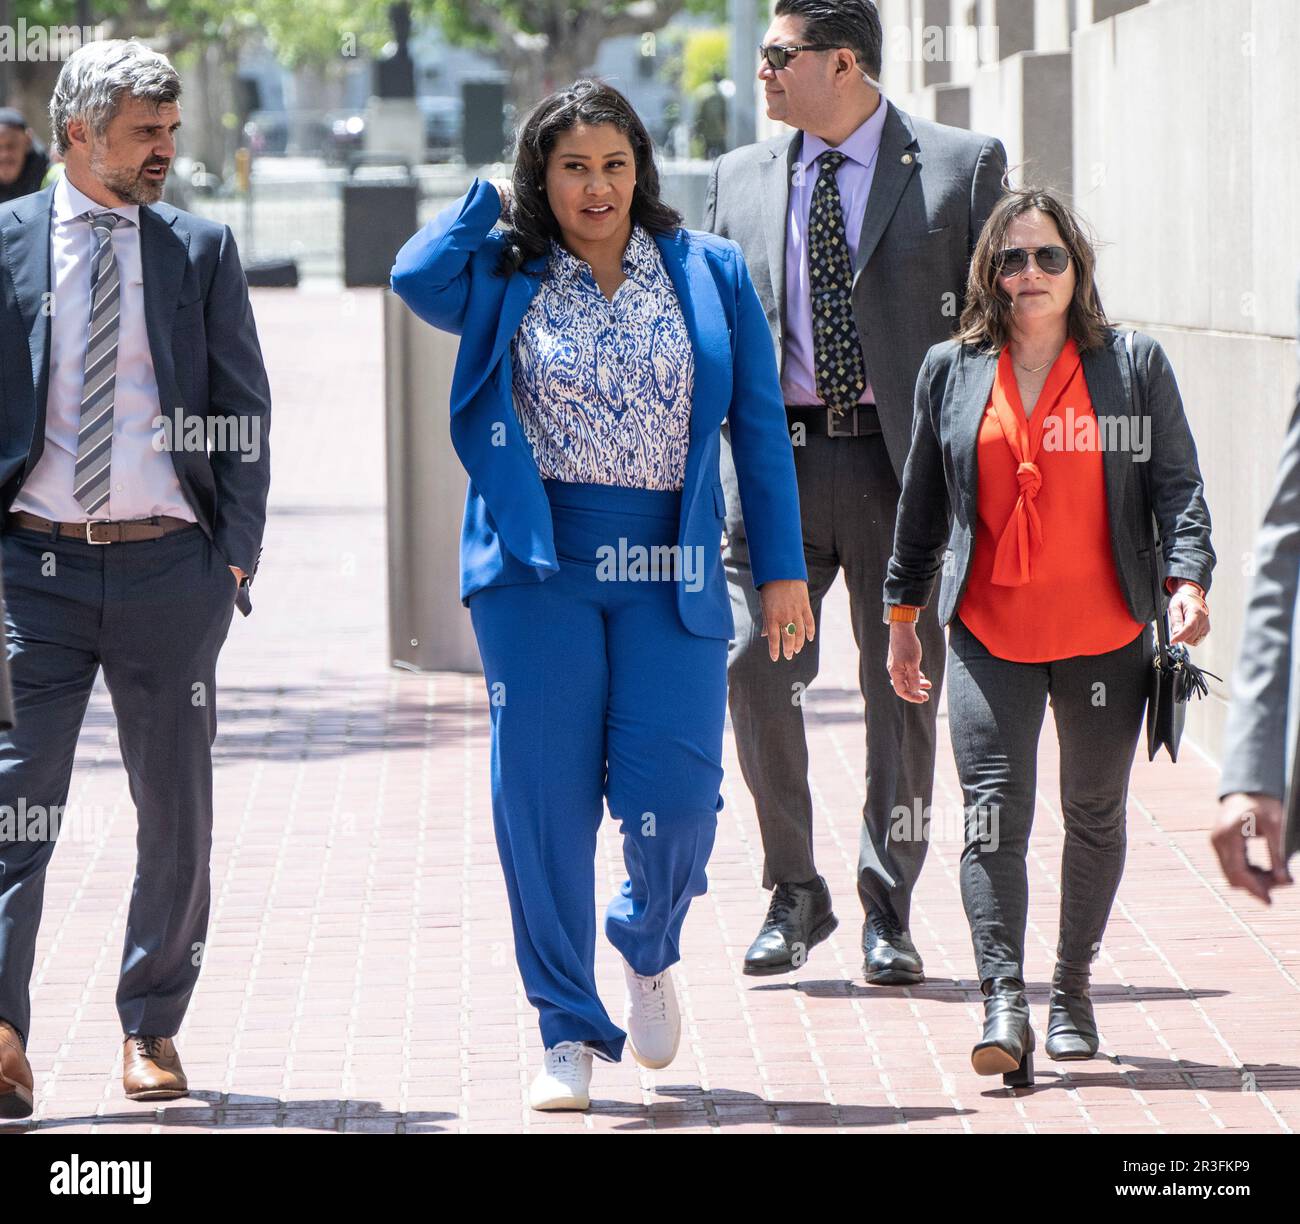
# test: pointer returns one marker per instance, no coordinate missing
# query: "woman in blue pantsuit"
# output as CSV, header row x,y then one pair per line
x,y
602,346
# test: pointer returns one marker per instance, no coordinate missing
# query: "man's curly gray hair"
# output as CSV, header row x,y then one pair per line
x,y
96,76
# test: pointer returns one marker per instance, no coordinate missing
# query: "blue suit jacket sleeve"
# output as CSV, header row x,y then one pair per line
x,y
760,443
238,386
431,272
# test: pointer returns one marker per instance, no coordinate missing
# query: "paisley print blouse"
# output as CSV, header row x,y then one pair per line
x,y
603,388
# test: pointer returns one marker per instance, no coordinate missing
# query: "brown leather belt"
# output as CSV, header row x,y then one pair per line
x,y
101,531
857,422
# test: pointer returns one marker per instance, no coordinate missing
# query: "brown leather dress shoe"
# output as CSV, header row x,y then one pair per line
x,y
151,1069
15,1075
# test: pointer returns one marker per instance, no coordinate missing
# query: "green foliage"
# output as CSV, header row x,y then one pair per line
x,y
298,31
319,31
704,57
531,16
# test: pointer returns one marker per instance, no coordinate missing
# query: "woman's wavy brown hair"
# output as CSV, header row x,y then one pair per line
x,y
986,319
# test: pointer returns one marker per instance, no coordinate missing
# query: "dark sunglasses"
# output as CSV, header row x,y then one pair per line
x,y
778,56
1012,261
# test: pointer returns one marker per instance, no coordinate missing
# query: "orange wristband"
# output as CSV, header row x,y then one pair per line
x,y
901,614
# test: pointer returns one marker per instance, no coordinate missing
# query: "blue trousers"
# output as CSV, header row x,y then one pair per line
x,y
153,614
598,693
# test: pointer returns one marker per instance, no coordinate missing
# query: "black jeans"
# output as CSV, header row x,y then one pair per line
x,y
995,713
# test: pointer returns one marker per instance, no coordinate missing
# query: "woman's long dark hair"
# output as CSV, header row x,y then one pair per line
x,y
530,224
986,320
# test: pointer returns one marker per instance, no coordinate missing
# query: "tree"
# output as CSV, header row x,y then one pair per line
x,y
545,44
203,38
705,58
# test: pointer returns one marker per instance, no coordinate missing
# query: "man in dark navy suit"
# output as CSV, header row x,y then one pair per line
x,y
134,474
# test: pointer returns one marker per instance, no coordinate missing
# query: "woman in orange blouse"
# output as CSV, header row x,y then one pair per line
x,y
1028,463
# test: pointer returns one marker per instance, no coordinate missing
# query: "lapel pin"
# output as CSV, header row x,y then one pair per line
x,y
906,159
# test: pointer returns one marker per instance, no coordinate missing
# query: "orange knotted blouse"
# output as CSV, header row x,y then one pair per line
x,y
1042,583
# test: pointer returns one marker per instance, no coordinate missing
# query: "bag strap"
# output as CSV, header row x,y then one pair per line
x,y
1157,550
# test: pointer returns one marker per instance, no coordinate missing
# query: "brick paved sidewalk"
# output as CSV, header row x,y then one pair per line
x,y
359,975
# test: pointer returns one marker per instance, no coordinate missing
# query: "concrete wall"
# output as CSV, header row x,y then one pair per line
x,y
1187,164
1025,101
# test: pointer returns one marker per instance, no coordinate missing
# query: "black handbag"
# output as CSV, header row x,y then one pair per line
x,y
1174,678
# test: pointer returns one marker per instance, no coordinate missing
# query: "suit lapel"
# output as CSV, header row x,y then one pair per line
x,y
520,290
27,255
972,386
775,188
891,176
1108,388
706,322
164,253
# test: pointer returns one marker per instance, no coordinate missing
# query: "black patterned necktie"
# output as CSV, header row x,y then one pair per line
x,y
93,476
837,350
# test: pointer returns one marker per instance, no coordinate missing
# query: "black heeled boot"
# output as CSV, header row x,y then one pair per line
x,y
1007,1047
1071,1025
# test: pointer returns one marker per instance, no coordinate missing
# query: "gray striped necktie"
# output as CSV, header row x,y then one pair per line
x,y
93,478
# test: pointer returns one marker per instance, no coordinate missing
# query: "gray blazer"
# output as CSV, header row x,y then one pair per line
x,y
922,219
938,504
1254,751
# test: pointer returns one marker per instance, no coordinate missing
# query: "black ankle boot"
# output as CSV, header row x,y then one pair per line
x,y
1007,1047
1071,1025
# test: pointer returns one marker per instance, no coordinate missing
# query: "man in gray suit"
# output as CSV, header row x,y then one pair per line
x,y
1253,786
858,231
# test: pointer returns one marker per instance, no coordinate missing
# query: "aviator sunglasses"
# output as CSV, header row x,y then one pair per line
x,y
1014,260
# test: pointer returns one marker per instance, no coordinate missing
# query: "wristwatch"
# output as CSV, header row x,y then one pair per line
x,y
901,614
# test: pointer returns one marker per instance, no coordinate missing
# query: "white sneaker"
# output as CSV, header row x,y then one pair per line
x,y
564,1082
653,1023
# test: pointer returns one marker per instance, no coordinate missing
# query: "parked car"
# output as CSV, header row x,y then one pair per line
x,y
345,134
267,133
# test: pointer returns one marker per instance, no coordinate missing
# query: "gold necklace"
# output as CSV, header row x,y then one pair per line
x,y
1035,369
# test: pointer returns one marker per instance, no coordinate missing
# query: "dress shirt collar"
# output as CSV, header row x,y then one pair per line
x,y
71,205
862,146
640,260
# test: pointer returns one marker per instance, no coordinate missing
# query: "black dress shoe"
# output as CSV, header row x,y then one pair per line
x,y
890,956
1071,1025
1007,1046
798,919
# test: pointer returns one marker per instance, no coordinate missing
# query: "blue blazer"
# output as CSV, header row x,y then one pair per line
x,y
206,360
447,275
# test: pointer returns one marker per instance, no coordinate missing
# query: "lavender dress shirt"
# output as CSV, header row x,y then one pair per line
x,y
854,179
